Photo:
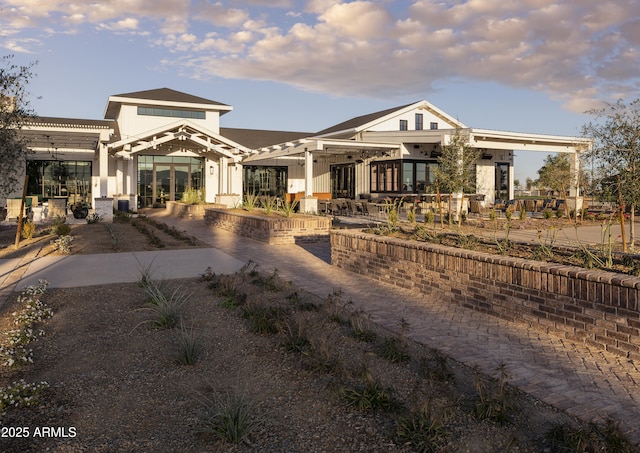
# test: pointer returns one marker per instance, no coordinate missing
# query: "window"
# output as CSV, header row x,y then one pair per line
x,y
404,125
433,126
343,181
265,180
70,179
419,177
172,113
419,122
385,176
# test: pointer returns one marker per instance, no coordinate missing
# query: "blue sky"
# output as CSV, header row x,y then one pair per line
x,y
518,65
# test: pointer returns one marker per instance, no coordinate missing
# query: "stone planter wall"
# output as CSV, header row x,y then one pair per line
x,y
595,307
271,229
183,210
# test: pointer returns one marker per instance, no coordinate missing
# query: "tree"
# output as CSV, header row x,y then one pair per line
x,y
615,154
456,169
14,112
555,173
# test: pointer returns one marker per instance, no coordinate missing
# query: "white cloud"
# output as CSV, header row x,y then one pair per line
x,y
573,51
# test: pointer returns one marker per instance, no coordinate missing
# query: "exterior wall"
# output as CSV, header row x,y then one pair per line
x,y
272,230
393,124
595,307
131,124
486,180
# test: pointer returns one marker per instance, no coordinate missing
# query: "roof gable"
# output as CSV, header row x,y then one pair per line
x,y
168,95
365,122
162,97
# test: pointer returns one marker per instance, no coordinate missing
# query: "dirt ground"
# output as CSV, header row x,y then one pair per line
x,y
115,384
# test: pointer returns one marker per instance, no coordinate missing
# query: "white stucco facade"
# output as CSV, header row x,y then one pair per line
x,y
153,145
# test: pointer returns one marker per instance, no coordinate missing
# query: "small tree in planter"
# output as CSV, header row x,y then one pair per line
x,y
456,170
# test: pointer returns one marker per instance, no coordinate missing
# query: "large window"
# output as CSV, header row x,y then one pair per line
x,y
265,180
414,177
419,122
385,176
165,178
172,113
52,178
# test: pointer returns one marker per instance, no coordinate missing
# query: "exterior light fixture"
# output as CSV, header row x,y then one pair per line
x,y
211,170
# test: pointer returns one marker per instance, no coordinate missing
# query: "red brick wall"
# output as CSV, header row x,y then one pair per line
x,y
271,229
595,307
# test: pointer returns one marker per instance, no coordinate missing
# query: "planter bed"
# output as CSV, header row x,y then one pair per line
x,y
596,307
272,229
182,210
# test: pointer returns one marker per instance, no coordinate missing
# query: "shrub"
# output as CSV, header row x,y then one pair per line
x,y
193,196
595,437
370,396
250,202
394,350
121,217
263,320
165,306
15,351
93,218
59,226
420,429
20,394
229,417
189,345
28,229
429,216
495,405
63,244
289,207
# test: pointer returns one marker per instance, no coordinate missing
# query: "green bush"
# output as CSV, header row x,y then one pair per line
x,y
193,196
28,229
59,226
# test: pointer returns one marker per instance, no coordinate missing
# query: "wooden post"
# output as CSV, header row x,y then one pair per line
x,y
621,210
24,195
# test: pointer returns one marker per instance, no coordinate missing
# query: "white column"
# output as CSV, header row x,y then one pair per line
x,y
224,175
308,173
104,171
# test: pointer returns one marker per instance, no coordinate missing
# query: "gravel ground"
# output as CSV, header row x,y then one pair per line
x,y
116,384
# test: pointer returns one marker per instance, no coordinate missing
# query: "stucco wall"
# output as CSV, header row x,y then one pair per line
x,y
595,307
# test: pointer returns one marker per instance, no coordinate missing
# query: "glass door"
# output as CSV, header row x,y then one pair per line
x,y
169,182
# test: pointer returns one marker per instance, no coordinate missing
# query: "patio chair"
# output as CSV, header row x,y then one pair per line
x,y
336,208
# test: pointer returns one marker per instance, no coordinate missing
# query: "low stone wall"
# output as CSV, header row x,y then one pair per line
x,y
182,210
271,229
595,307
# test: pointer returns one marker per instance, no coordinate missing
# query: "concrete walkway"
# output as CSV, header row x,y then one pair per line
x,y
587,383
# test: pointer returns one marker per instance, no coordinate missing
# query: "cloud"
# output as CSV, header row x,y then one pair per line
x,y
576,52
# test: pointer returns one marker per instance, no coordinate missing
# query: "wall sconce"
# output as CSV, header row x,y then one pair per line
x,y
211,170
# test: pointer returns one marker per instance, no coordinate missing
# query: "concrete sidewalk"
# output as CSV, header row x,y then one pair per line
x,y
587,383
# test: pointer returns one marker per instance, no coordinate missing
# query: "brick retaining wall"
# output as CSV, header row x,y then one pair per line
x,y
595,307
182,210
271,229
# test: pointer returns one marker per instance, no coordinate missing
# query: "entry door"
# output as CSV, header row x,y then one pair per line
x,y
343,181
169,182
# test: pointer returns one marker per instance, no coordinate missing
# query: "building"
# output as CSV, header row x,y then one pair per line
x,y
153,145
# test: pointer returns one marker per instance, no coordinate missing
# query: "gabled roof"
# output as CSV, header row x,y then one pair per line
x,y
162,96
183,131
255,138
364,122
168,95
358,121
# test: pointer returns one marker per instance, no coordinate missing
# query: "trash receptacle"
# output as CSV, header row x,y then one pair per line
x,y
123,205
